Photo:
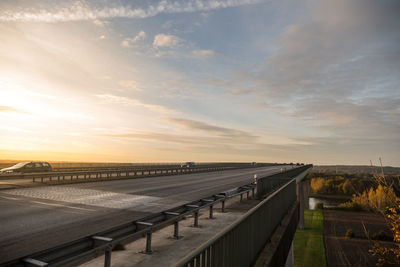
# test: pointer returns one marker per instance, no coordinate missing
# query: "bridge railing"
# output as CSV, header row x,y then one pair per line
x,y
119,173
240,243
271,182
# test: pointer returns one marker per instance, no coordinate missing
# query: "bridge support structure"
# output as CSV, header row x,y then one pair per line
x,y
303,192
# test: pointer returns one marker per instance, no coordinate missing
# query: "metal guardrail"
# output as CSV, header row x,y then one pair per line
x,y
115,174
101,243
240,243
157,165
267,184
66,167
274,254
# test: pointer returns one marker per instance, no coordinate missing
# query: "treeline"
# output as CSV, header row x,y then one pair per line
x,y
339,185
326,173
327,182
342,169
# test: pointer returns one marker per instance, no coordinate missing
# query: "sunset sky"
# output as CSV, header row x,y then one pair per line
x,y
189,80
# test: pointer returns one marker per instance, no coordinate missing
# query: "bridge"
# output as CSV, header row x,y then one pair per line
x,y
64,225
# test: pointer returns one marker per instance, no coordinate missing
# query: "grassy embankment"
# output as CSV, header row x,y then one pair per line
x,y
309,247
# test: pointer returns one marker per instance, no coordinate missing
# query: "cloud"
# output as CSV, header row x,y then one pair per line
x,y
129,42
9,109
83,10
211,129
126,101
203,54
336,71
164,40
102,37
132,84
100,23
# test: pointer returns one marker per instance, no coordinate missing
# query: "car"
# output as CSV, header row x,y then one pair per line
x,y
188,164
27,167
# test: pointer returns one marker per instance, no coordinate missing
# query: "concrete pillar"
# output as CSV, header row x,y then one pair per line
x,y
290,257
300,198
306,188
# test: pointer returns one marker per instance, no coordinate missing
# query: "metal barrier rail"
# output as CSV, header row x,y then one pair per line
x,y
101,243
240,243
157,165
109,174
152,166
269,183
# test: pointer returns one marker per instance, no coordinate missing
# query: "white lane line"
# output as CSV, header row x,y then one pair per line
x,y
60,205
10,198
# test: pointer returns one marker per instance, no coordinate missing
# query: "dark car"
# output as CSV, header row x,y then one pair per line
x,y
27,167
188,165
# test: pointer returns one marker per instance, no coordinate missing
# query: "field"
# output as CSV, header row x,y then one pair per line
x,y
308,243
342,251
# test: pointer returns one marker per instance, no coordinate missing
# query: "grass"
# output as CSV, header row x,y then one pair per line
x,y
309,247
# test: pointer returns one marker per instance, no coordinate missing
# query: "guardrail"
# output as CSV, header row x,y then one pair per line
x,y
101,243
157,165
105,167
240,243
119,173
266,184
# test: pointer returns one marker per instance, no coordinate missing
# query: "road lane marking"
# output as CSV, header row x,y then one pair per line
x,y
87,197
61,205
10,198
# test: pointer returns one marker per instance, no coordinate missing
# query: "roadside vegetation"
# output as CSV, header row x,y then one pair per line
x,y
339,182
376,192
309,247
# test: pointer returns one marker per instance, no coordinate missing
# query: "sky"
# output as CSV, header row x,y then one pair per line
x,y
312,81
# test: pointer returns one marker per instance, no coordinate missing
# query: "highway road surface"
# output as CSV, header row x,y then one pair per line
x,y
37,218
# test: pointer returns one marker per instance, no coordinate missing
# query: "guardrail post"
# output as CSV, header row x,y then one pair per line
x,y
248,192
148,243
223,206
211,211
241,197
107,257
252,191
196,219
176,230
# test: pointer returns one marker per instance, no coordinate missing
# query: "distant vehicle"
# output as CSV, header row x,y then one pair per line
x,y
254,163
188,164
27,167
